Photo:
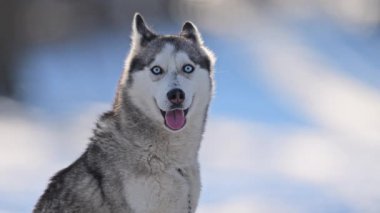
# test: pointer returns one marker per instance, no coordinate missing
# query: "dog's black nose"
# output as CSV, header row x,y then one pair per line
x,y
176,96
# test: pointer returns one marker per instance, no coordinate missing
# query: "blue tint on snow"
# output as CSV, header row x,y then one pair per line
x,y
296,194
66,76
352,53
240,90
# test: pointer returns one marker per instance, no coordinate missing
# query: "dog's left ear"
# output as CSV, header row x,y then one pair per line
x,y
141,34
190,31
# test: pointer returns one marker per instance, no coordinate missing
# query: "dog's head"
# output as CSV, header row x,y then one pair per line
x,y
169,78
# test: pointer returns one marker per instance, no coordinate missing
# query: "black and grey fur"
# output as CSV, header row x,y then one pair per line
x,y
134,163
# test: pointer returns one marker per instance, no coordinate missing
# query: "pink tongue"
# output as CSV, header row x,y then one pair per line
x,y
175,119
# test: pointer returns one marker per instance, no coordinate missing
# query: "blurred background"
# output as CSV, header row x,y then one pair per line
x,y
294,125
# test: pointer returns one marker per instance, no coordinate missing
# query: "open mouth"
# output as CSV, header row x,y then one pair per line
x,y
175,119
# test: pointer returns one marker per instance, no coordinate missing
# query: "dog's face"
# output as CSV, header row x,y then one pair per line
x,y
170,77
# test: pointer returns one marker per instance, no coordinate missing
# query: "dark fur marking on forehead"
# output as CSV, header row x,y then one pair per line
x,y
147,54
195,53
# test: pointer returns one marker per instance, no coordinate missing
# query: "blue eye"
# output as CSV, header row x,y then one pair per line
x,y
156,70
187,68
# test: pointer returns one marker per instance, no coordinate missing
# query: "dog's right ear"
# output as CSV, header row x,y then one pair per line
x,y
141,34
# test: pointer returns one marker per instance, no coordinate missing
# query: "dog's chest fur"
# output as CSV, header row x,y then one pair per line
x,y
166,192
169,179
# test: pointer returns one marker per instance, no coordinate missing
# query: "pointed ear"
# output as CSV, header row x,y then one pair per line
x,y
141,34
190,31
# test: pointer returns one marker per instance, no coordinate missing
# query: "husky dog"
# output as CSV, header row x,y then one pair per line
x,y
143,154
